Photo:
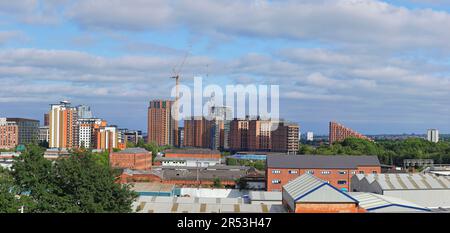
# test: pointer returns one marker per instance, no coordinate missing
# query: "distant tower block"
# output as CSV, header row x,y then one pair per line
x,y
433,135
309,136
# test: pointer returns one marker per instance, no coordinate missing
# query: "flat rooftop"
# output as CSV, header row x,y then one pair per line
x,y
321,161
152,187
192,151
201,205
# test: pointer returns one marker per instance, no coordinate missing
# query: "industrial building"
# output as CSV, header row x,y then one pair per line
x,y
309,194
336,169
192,157
186,162
131,158
158,204
427,190
376,203
186,176
262,197
192,153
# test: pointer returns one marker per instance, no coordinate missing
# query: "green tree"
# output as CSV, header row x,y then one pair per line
x,y
79,183
217,183
9,203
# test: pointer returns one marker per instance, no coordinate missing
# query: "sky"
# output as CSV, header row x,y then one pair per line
x,y
375,66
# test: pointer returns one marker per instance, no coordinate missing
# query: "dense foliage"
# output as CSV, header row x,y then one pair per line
x,y
388,151
257,164
79,183
152,146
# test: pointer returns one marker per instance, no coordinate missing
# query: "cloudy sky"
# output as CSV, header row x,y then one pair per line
x,y
376,66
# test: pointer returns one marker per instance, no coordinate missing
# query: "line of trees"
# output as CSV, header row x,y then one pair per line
x,y
80,183
388,151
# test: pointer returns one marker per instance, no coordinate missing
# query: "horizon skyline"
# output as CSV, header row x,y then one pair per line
x,y
181,124
376,66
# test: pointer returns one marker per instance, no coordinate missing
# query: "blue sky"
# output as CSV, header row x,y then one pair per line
x,y
376,66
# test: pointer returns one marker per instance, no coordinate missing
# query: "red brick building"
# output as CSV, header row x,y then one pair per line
x,y
9,134
336,169
131,158
339,132
238,135
285,138
197,132
162,128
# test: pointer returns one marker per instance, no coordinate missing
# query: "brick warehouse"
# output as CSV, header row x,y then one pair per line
x,y
309,194
131,158
336,169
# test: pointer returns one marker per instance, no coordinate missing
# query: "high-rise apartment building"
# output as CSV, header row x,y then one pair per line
x,y
285,138
309,136
45,119
338,132
44,134
105,138
181,136
433,135
162,128
9,134
259,135
239,134
220,126
84,111
86,128
197,132
28,129
63,127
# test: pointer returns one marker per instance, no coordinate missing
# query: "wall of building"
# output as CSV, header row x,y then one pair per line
x,y
162,129
332,175
141,161
193,155
9,135
327,208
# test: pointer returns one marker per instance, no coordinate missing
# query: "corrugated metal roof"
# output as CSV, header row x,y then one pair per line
x,y
371,201
306,186
321,161
408,181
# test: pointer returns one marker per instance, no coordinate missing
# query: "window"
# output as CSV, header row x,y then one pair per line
x,y
342,172
276,181
361,172
310,172
293,171
353,172
342,182
374,172
325,172
276,171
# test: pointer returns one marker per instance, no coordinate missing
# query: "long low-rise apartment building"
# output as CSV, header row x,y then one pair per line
x,y
336,169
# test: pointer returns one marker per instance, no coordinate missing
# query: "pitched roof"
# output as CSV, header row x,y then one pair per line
x,y
397,181
372,202
321,161
310,188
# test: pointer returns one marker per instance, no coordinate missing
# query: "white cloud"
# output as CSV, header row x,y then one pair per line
x,y
343,22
